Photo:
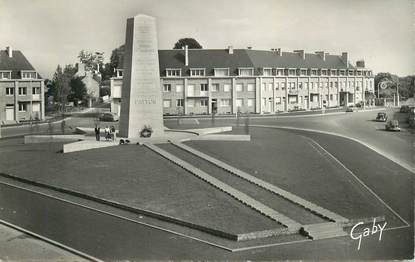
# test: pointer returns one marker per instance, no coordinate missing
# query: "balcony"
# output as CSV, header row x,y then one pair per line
x,y
36,97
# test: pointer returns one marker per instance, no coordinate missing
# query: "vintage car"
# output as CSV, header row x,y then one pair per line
x,y
109,117
392,125
381,117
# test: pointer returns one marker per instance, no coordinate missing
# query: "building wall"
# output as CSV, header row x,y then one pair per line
x,y
269,94
34,103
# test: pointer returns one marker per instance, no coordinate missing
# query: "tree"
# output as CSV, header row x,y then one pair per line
x,y
92,60
61,86
391,89
190,42
78,90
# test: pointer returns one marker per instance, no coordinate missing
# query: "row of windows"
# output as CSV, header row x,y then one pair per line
x,y
167,103
24,75
22,91
269,86
197,72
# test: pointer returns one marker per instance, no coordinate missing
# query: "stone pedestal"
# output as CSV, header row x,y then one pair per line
x,y
141,101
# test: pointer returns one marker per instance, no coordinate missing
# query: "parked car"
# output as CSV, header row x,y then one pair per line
x,y
392,125
109,117
350,109
381,117
404,109
411,117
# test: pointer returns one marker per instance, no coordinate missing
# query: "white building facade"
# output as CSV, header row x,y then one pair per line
x,y
227,81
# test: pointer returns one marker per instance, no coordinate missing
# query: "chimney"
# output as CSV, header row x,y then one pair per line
x,y
301,53
186,55
9,51
360,63
345,58
230,50
321,54
278,51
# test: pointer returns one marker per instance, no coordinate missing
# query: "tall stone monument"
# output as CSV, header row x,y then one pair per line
x,y
141,100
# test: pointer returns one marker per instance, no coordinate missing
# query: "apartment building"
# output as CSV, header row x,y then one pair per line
x,y
21,88
226,81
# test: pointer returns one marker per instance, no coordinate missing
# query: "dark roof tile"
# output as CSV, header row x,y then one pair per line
x,y
16,63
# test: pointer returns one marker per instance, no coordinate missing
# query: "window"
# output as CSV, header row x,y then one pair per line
x,y
204,87
173,72
342,72
250,102
225,102
239,87
166,103
264,87
5,75
306,85
179,88
336,84
167,87
351,72
28,75
251,87
282,86
226,88
323,72
215,87
22,107
239,102
270,86
278,100
303,72
331,84
277,86
300,85
291,72
180,102
333,72
9,91
190,103
35,90
197,72
119,73
331,97
267,72
204,102
246,71
221,71
280,72
190,90
313,72
22,91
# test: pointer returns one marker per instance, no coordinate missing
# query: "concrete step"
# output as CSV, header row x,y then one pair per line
x,y
323,230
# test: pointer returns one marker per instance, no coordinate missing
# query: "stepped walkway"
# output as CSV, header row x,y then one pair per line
x,y
285,194
315,228
292,225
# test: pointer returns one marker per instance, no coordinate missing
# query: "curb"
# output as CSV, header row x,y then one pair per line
x,y
50,241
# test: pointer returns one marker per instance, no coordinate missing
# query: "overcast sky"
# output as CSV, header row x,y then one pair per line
x,y
52,32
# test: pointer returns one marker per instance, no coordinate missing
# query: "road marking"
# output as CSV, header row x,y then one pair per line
x,y
380,152
361,182
50,241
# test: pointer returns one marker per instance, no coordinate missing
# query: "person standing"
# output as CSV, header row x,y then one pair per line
x,y
97,133
113,133
107,132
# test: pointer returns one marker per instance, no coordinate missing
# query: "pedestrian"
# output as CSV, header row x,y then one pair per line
x,y
113,133
63,123
107,132
96,133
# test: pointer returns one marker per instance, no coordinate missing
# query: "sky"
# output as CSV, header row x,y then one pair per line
x,y
52,32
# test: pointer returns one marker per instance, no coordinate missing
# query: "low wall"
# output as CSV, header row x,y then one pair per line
x,y
51,138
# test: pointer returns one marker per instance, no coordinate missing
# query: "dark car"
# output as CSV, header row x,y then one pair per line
x,y
108,117
381,117
350,109
404,109
392,125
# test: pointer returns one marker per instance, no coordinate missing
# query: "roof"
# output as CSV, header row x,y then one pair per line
x,y
258,59
16,63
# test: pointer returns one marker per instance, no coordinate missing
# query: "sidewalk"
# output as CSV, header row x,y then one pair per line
x,y
18,246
